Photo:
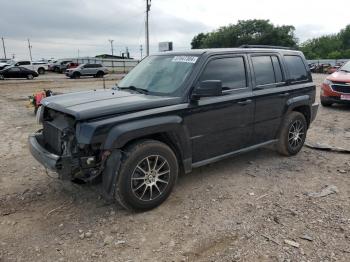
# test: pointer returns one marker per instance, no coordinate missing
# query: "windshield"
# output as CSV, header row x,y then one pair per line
x,y
163,75
346,67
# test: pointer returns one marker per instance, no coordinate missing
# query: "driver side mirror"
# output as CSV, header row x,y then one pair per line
x,y
208,88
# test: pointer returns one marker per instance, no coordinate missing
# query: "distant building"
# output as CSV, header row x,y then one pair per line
x,y
107,56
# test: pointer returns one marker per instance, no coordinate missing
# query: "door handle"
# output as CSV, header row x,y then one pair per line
x,y
283,95
245,102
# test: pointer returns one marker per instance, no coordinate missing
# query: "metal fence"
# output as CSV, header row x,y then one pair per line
x,y
113,65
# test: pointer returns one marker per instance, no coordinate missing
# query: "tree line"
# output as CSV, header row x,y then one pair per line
x,y
263,32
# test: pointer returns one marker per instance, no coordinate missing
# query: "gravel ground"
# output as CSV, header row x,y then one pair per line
x,y
252,207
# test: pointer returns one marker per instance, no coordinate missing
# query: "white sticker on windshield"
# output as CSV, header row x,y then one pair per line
x,y
185,59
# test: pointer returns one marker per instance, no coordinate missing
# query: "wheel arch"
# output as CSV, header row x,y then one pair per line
x,y
301,104
306,111
167,129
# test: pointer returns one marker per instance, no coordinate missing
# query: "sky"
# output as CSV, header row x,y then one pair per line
x,y
65,28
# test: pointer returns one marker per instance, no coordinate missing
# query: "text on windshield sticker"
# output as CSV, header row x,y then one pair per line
x,y
185,59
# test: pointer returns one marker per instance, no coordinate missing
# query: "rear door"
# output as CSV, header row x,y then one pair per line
x,y
222,124
270,92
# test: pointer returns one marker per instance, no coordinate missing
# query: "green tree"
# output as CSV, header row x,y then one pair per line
x,y
334,46
252,32
197,40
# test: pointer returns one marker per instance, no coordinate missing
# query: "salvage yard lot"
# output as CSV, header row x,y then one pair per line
x,y
252,207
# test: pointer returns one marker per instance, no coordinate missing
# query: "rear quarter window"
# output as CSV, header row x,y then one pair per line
x,y
296,68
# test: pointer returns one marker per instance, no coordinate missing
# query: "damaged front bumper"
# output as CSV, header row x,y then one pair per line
x,y
63,165
68,167
43,156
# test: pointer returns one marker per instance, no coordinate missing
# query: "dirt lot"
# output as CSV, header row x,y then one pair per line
x,y
244,208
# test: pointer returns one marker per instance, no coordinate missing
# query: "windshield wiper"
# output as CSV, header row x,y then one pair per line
x,y
134,88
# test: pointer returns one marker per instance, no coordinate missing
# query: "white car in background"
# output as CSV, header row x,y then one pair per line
x,y
39,67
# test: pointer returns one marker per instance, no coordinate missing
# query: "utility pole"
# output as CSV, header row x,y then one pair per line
x,y
78,52
148,8
30,50
112,50
141,51
3,46
127,52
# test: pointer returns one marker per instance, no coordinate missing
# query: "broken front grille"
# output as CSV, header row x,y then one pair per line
x,y
52,137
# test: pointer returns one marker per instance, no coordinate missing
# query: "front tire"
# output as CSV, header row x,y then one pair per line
x,y
325,103
147,175
99,74
30,77
292,134
2,77
76,75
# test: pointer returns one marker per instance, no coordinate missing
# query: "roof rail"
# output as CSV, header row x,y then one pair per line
x,y
267,46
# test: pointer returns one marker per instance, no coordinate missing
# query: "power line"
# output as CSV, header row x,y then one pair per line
x,y
3,46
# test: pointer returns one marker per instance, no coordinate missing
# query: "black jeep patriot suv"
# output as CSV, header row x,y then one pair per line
x,y
174,112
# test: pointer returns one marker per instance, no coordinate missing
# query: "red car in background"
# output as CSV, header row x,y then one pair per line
x,y
72,65
336,87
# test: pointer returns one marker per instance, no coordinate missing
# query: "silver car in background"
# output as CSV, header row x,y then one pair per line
x,y
95,70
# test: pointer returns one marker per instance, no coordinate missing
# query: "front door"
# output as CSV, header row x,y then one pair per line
x,y
222,124
13,72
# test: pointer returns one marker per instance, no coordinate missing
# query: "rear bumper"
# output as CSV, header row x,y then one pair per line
x,y
314,109
42,155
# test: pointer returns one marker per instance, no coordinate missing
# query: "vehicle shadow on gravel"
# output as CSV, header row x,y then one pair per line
x,y
86,198
55,199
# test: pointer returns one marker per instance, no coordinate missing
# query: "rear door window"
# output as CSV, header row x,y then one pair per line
x,y
296,68
263,69
230,70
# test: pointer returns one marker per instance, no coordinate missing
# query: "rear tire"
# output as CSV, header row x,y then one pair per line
x,y
292,134
325,103
2,77
147,175
41,71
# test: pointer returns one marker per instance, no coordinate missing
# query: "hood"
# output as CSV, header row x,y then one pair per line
x,y
339,76
102,102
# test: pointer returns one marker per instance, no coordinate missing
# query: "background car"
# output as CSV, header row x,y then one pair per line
x,y
60,66
38,67
4,65
72,65
17,72
336,87
95,70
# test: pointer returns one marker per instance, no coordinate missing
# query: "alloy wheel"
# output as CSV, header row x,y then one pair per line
x,y
296,134
150,178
